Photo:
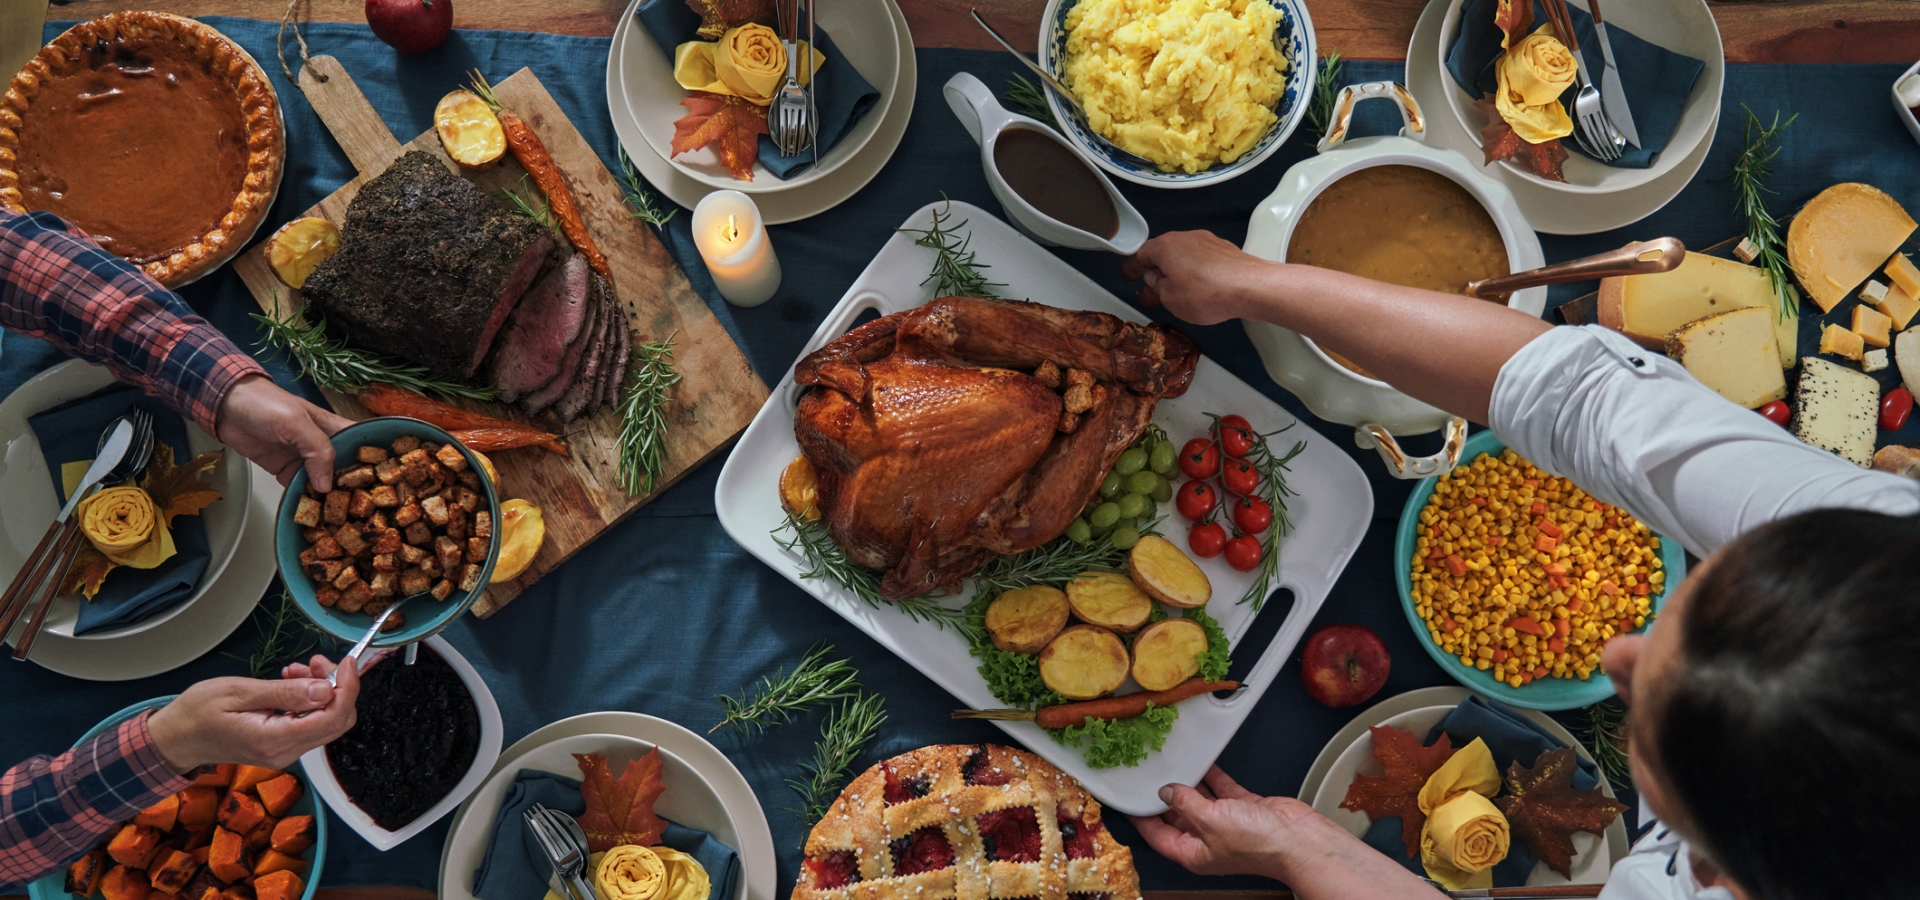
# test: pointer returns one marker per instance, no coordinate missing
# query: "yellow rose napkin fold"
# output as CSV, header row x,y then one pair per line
x,y
1532,76
1465,834
630,872
748,62
121,522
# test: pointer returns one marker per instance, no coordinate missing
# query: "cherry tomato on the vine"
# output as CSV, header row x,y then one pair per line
x,y
1253,515
1239,476
1895,407
1207,539
1776,412
1200,458
1195,500
1236,436
1243,553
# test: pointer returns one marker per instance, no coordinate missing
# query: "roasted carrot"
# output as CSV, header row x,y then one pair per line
x,y
492,433
487,440
1069,714
533,156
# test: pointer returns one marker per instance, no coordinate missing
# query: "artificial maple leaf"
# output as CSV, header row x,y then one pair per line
x,y
732,123
1544,809
1515,19
180,490
620,810
1499,141
716,16
88,572
1397,793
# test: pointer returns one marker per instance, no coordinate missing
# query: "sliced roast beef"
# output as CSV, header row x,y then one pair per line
x,y
570,366
529,352
587,386
429,268
617,373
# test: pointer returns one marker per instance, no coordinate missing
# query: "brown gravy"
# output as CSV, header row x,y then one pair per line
x,y
1403,225
1055,181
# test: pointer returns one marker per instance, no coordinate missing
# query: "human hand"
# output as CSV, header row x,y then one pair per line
x,y
1221,828
1194,274
237,720
279,431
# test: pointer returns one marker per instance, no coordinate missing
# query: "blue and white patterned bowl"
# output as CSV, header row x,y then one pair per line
x,y
1295,37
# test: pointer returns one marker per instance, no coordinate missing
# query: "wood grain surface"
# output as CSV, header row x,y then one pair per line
x,y
1777,31
578,494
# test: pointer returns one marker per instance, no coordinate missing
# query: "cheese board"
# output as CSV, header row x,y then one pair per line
x,y
578,492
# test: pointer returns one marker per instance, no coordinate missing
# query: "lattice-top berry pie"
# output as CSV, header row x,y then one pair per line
x,y
966,822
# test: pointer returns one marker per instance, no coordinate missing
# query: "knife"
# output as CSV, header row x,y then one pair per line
x,y
1613,95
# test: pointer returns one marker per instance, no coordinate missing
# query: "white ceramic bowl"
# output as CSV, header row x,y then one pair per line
x,y
320,771
1683,26
1295,37
862,31
1906,112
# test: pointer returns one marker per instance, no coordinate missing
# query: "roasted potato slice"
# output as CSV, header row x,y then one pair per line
x,y
469,130
299,247
1167,574
1084,662
1167,653
800,490
523,530
1109,601
1024,619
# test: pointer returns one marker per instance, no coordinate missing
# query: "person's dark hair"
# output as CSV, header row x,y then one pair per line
x,y
1790,733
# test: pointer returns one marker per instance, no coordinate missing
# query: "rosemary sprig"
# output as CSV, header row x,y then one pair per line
x,y
1326,89
829,560
774,700
1273,489
643,201
1029,99
282,639
956,271
1606,737
328,361
541,212
1750,171
1055,562
842,736
643,418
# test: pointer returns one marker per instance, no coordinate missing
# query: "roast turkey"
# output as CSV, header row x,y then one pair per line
x,y
969,428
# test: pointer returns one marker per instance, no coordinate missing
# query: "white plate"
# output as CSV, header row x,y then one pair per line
x,y
787,203
320,771
752,839
1331,512
1350,752
32,503
1548,210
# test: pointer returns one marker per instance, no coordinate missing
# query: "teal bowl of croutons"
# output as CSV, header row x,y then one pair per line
x,y
412,514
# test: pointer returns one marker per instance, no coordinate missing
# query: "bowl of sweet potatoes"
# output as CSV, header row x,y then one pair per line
x,y
236,833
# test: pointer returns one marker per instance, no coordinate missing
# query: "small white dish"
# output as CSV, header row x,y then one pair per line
x,y
1910,80
320,771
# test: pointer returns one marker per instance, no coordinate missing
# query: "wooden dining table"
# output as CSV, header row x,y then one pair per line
x,y
1753,31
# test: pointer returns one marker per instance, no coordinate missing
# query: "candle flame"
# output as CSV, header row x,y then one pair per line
x,y
731,232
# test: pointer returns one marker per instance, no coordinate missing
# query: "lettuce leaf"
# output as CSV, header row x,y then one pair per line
x,y
1110,743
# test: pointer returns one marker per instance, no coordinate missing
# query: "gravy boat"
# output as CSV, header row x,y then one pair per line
x,y
986,120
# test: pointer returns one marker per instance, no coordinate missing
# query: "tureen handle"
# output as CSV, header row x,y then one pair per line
x,y
1400,465
1414,125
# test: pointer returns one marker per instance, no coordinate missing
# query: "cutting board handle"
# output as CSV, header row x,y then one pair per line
x,y
355,125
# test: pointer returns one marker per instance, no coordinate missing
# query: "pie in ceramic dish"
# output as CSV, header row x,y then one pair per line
x,y
960,822
154,133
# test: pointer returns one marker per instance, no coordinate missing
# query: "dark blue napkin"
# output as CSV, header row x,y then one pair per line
x,y
1511,737
839,93
1657,80
69,433
515,868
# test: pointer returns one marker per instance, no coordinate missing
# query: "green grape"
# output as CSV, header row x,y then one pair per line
x,y
1163,491
1110,488
1124,537
1133,506
1163,457
1080,532
1143,483
1131,461
1104,516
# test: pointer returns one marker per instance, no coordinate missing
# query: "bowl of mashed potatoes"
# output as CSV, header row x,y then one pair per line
x,y
1179,93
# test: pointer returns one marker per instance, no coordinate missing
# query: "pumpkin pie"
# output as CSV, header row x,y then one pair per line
x,y
154,133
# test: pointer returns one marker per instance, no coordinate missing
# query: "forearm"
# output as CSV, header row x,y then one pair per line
x,y
52,809
1444,349
1322,861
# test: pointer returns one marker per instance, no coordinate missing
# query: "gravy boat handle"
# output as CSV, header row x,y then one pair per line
x,y
1643,258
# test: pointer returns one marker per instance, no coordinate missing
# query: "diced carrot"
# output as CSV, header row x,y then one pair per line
x,y
160,815
1554,568
1495,540
1477,501
1642,589
1541,671
1557,645
279,794
199,806
1500,656
1545,544
1449,626
1527,624
1456,565
245,777
1562,627
1608,587
1576,604
1531,482
1549,529
1539,507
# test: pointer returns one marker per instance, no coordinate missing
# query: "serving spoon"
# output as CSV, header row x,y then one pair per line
x,y
1643,258
1046,77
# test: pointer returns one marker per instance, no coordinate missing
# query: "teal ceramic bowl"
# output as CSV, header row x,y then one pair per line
x,y
1543,693
425,617
53,887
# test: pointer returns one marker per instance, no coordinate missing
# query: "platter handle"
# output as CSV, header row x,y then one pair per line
x,y
355,125
1413,123
1402,466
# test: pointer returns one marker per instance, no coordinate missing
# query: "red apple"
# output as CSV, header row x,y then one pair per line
x,y
410,26
1343,665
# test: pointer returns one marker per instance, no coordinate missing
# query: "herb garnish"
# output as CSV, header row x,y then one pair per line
x,y
1273,489
842,736
540,212
829,560
1326,89
956,270
642,200
1749,174
286,635
774,700
643,419
328,361
1029,99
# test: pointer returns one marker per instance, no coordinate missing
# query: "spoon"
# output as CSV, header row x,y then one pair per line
x,y
1045,76
367,638
1643,258
579,837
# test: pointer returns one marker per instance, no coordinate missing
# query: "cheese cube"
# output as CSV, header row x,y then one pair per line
x,y
1899,306
1837,409
1874,361
1872,326
1903,273
1841,342
1734,353
1746,250
1873,292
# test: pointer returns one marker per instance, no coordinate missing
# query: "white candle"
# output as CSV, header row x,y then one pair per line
x,y
732,239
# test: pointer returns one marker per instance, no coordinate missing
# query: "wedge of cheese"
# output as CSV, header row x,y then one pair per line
x,y
1734,353
1841,342
1837,409
1648,308
1842,236
1872,326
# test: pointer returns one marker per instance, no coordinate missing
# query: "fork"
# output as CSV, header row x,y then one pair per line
x,y
555,849
1596,133
787,113
568,856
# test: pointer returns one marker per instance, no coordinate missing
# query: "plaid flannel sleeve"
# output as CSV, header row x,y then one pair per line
x,y
53,809
58,285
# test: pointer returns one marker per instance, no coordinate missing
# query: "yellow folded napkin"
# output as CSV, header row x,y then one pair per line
x,y
628,872
748,62
1532,76
121,522
1465,834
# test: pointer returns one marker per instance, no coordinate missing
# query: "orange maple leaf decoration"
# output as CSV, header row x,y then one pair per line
x,y
716,16
1397,793
1515,19
620,810
731,123
1499,142
175,491
1544,809
88,572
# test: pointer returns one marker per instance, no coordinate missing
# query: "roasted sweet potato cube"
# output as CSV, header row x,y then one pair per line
x,y
83,877
361,506
355,599
356,477
418,534
160,815
483,524
470,576
172,870
394,622
456,524
435,510
411,555
447,553
405,444
261,837
348,577
246,778
386,540
221,776
133,845
371,454
329,548
382,586
476,549
294,835
200,804
443,589
280,884
467,498
306,512
414,581
203,886
198,837
123,883
275,861
385,497
451,457
351,539
240,812
469,480
407,514
201,854
333,510
240,892
229,861
162,895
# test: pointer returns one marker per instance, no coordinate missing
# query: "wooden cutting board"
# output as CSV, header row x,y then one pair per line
x,y
578,494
